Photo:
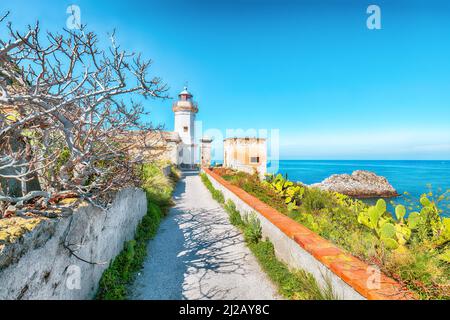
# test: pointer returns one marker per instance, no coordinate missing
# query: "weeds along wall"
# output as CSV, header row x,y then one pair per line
x,y
64,258
290,252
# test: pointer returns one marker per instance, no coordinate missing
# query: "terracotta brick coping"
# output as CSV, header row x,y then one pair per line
x,y
350,269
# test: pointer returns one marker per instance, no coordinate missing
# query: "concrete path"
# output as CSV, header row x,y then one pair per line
x,y
198,254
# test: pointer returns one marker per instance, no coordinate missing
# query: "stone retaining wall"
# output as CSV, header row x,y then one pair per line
x,y
300,248
38,265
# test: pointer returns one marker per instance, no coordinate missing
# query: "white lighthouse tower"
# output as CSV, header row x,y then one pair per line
x,y
185,110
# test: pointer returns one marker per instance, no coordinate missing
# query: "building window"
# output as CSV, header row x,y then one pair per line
x,y
185,129
254,159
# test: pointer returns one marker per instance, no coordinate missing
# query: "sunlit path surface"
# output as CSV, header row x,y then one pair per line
x,y
197,254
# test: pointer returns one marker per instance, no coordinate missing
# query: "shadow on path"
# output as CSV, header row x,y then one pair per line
x,y
197,254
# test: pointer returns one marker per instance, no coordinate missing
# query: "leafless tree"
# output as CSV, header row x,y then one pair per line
x,y
64,102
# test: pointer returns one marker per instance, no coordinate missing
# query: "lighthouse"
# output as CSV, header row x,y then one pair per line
x,y
185,110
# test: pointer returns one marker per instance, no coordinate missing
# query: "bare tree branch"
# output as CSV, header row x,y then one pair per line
x,y
63,104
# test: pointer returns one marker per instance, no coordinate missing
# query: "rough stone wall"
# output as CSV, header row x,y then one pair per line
x,y
39,266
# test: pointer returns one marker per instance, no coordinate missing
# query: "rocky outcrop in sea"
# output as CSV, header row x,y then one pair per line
x,y
360,184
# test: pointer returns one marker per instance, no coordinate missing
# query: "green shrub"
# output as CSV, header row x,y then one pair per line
x,y
157,186
233,213
315,200
175,174
216,194
252,228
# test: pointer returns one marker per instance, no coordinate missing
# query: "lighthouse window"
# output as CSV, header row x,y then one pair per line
x,y
254,159
185,129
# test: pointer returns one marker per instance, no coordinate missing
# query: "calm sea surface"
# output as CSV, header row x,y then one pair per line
x,y
411,176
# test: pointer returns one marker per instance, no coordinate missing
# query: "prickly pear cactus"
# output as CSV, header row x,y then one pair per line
x,y
395,233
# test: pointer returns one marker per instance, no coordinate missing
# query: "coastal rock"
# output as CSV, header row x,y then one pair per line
x,y
360,184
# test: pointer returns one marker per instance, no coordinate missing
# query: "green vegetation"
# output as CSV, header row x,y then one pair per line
x,y
233,214
413,248
296,285
216,194
252,229
395,234
115,280
157,186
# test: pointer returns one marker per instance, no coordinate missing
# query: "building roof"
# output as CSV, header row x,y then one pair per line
x,y
185,103
171,136
206,139
245,139
185,92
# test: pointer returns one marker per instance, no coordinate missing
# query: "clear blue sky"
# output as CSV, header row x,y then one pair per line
x,y
334,89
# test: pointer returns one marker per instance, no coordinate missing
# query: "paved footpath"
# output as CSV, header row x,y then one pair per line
x,y
198,254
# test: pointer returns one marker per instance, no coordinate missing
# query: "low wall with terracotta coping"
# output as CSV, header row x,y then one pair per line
x,y
38,265
300,248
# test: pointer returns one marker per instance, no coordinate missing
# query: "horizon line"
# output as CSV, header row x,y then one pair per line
x,y
360,160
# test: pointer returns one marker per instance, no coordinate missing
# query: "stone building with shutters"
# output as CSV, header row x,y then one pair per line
x,y
245,154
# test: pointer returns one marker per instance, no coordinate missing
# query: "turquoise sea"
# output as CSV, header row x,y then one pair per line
x,y
412,176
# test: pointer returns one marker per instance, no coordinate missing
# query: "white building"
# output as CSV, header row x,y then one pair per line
x,y
205,151
185,110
